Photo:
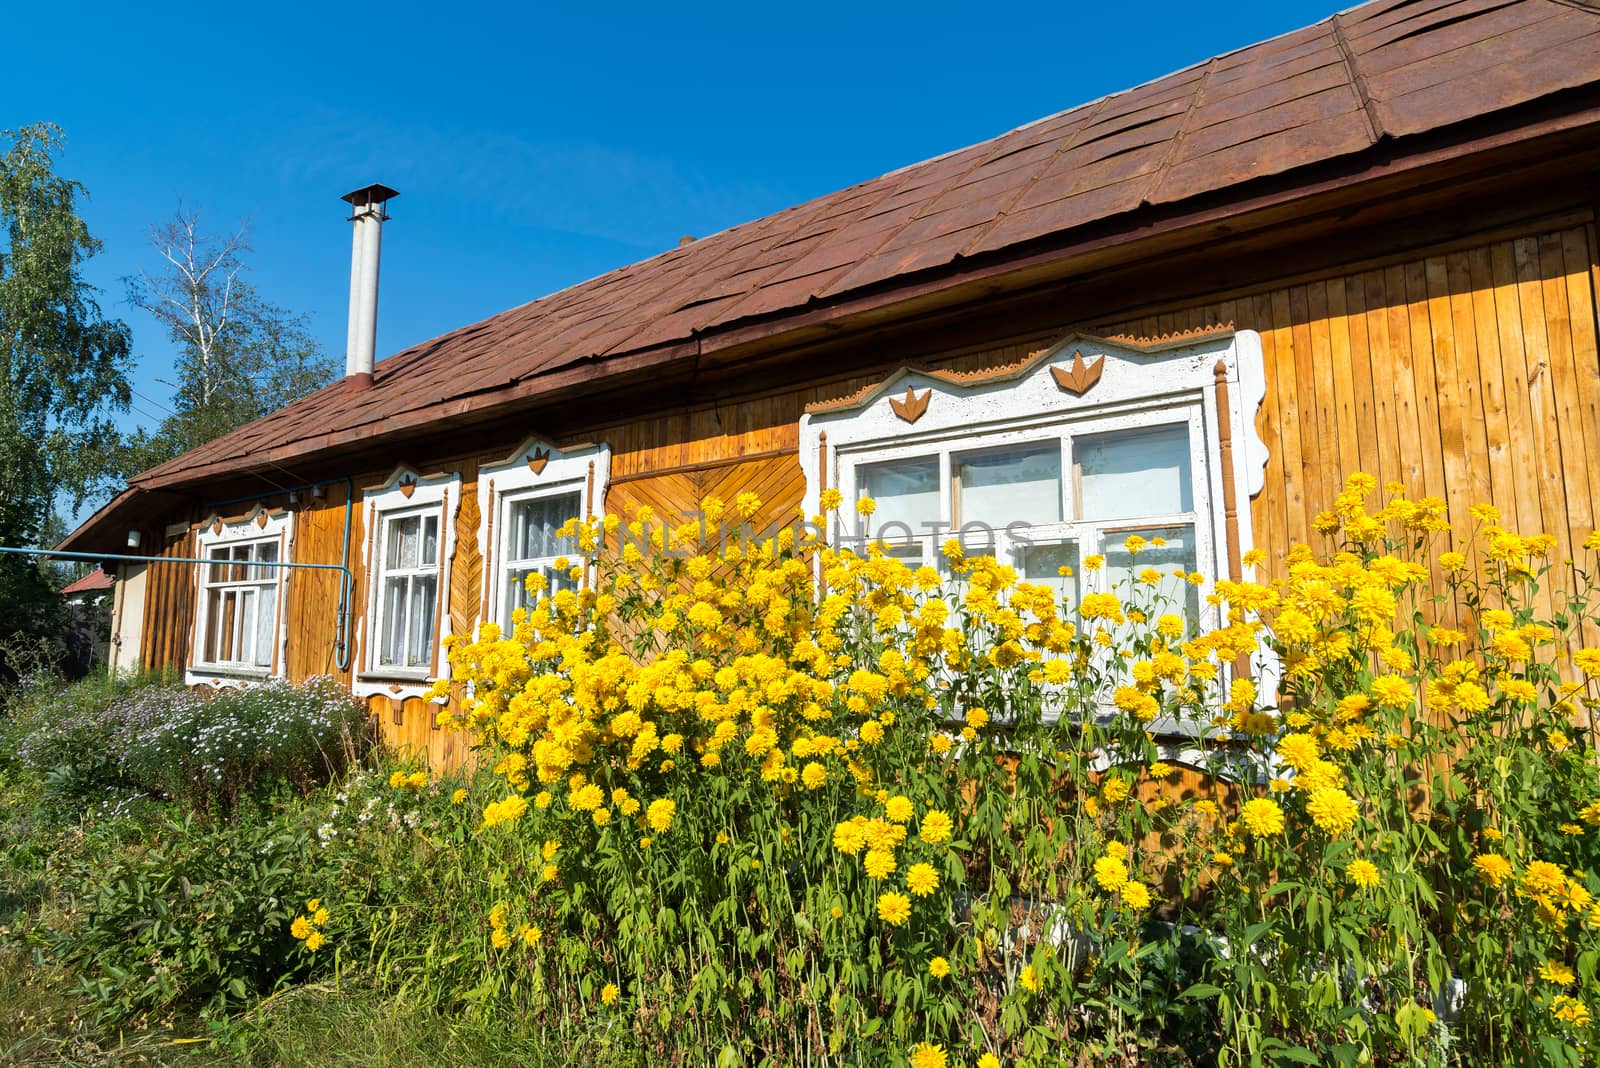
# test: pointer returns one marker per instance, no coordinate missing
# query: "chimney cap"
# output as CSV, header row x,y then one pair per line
x,y
369,194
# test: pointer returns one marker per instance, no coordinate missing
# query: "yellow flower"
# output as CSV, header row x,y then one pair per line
x,y
831,499
1492,868
1588,662
659,814
936,827
531,935
300,928
499,939
459,796
1135,895
320,916
879,864
928,1055
1332,810
1555,971
921,879
1452,561
1029,979
1262,816
1111,873
315,941
1299,751
1570,1010
899,809
1363,873
866,506
938,967
609,994
988,1060
893,908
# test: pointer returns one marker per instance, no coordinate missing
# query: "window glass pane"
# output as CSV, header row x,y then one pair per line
x,y
430,542
1021,484
268,551
238,572
401,550
266,625
1134,473
907,491
1174,594
217,572
515,595
534,524
391,642
1042,564
419,625
214,611
246,648
228,625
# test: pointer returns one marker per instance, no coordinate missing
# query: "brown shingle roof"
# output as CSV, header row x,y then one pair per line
x,y
1388,69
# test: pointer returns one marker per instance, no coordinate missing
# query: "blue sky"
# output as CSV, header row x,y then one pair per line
x,y
535,145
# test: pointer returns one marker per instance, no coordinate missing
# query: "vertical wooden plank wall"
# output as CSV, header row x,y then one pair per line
x,y
1471,375
169,607
313,599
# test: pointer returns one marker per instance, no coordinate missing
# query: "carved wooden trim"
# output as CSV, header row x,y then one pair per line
x,y
822,487
911,407
489,577
538,460
1081,377
1016,369
1230,495
441,600
407,485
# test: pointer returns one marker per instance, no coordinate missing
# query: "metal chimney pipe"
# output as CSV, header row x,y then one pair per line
x,y
361,338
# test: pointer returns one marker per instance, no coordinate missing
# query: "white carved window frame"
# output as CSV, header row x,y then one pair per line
x,y
259,527
405,493
1137,386
535,469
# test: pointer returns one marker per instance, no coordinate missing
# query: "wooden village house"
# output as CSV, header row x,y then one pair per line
x,y
1191,307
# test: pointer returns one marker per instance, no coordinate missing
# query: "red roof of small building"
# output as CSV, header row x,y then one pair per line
x,y
1381,73
93,582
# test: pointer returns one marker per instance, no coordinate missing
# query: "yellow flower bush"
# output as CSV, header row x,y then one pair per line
x,y
784,790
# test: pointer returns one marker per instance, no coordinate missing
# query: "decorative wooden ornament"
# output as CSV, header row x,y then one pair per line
x,y
911,407
261,520
408,486
1080,377
538,461
216,525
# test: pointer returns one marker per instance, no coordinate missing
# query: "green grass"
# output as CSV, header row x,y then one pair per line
x,y
313,1026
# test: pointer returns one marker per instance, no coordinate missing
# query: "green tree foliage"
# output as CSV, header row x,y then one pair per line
x,y
238,355
62,368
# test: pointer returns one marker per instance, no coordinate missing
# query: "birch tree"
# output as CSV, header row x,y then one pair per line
x,y
238,355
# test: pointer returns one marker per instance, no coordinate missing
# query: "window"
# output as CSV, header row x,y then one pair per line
x,y
1045,501
532,546
240,592
526,499
408,596
411,525
1054,459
